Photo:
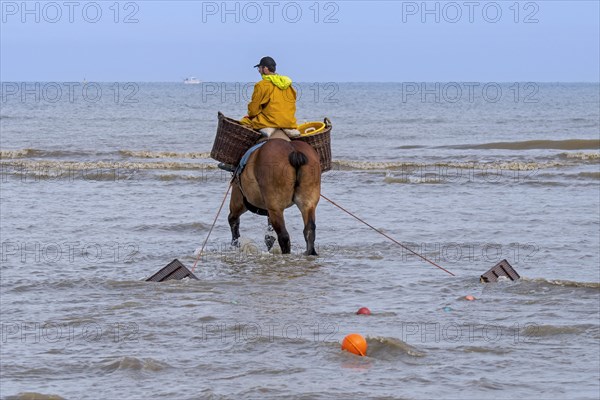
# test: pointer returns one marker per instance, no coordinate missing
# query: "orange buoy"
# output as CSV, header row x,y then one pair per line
x,y
356,344
469,297
363,311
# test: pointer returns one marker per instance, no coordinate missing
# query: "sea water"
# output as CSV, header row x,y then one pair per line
x,y
102,187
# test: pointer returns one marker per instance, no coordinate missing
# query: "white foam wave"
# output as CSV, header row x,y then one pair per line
x,y
582,156
162,154
18,153
498,165
104,165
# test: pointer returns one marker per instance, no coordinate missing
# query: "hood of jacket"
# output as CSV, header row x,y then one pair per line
x,y
281,81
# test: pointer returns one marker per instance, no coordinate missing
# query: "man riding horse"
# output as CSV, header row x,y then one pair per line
x,y
273,104
281,172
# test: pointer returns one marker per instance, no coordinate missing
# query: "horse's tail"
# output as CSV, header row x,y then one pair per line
x,y
297,159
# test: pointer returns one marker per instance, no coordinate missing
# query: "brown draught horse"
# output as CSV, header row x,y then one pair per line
x,y
277,175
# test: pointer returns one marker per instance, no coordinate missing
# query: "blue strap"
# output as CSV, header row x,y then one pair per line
x,y
246,156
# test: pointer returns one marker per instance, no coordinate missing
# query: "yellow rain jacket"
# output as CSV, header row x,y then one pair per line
x,y
273,104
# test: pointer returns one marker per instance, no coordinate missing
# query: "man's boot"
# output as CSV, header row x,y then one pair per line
x,y
226,167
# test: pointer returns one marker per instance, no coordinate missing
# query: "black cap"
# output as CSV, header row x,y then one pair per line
x,y
266,62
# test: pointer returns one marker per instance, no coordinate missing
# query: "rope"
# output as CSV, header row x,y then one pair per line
x,y
211,227
389,237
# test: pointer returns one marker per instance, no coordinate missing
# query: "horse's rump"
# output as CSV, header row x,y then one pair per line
x,y
272,173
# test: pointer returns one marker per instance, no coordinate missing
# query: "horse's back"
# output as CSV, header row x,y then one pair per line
x,y
281,155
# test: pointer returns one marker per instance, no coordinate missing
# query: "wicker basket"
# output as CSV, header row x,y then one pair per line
x,y
232,140
321,142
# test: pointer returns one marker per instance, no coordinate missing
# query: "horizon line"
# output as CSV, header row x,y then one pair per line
x,y
223,81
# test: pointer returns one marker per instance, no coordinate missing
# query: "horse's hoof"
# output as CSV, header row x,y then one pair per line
x,y
269,241
235,243
312,253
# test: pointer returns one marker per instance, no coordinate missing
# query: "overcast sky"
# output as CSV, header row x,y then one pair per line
x,y
311,41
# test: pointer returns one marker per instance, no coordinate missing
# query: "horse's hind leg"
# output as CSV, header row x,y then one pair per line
x,y
236,208
308,215
276,218
269,238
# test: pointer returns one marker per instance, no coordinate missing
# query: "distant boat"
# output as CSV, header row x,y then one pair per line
x,y
191,81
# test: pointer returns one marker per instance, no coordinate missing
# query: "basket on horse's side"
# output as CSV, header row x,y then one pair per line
x,y
232,140
321,142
